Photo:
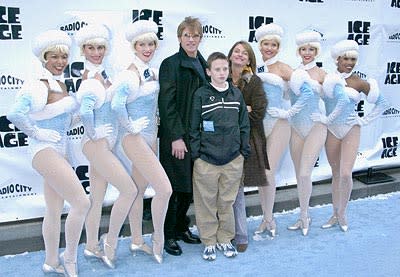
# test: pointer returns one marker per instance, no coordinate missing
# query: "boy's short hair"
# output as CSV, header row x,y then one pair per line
x,y
216,56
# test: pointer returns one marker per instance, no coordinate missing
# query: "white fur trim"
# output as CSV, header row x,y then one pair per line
x,y
298,78
140,27
352,93
92,86
331,80
49,38
272,79
38,92
149,88
271,29
128,78
91,31
343,46
373,93
307,37
316,86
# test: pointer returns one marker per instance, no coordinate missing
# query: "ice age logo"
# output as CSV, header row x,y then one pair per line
x,y
11,136
359,31
254,23
10,24
147,14
389,147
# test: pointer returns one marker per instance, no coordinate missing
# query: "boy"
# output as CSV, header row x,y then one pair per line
x,y
219,141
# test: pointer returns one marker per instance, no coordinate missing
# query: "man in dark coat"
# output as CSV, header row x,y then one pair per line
x,y
180,75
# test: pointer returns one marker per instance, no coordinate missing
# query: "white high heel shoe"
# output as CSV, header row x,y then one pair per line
x,y
300,224
331,222
70,268
136,248
269,226
59,269
109,252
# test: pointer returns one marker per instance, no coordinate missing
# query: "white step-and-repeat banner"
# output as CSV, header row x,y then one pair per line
x,y
374,24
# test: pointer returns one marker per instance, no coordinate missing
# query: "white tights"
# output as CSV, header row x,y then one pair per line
x,y
304,152
60,183
106,168
277,142
146,169
341,156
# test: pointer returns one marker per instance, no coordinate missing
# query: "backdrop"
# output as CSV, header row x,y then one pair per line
x,y
372,23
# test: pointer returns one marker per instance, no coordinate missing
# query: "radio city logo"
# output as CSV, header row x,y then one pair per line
x,y
10,83
254,23
392,73
82,171
11,136
359,31
389,147
210,31
10,23
361,74
15,190
70,28
395,4
391,112
154,15
394,37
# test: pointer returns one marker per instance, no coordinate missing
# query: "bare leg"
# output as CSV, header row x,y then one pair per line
x,y
147,164
60,176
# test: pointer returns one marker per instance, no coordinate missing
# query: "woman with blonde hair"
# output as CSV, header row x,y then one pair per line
x,y
307,137
101,129
136,93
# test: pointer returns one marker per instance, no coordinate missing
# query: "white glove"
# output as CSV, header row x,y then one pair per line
x,y
102,131
280,113
136,126
319,117
46,135
356,120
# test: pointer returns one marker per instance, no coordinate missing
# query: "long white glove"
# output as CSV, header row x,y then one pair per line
x,y
102,131
281,113
46,135
136,126
319,117
356,120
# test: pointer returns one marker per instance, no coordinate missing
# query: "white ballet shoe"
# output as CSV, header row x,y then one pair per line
x,y
136,248
70,268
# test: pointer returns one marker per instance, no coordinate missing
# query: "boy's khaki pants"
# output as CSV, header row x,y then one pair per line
x,y
214,192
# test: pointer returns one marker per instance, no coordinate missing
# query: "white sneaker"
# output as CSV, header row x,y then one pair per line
x,y
209,253
228,249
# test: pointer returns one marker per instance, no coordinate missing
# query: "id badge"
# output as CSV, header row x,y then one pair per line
x,y
208,126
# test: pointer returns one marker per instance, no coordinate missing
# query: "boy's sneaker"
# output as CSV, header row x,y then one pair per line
x,y
209,253
228,249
